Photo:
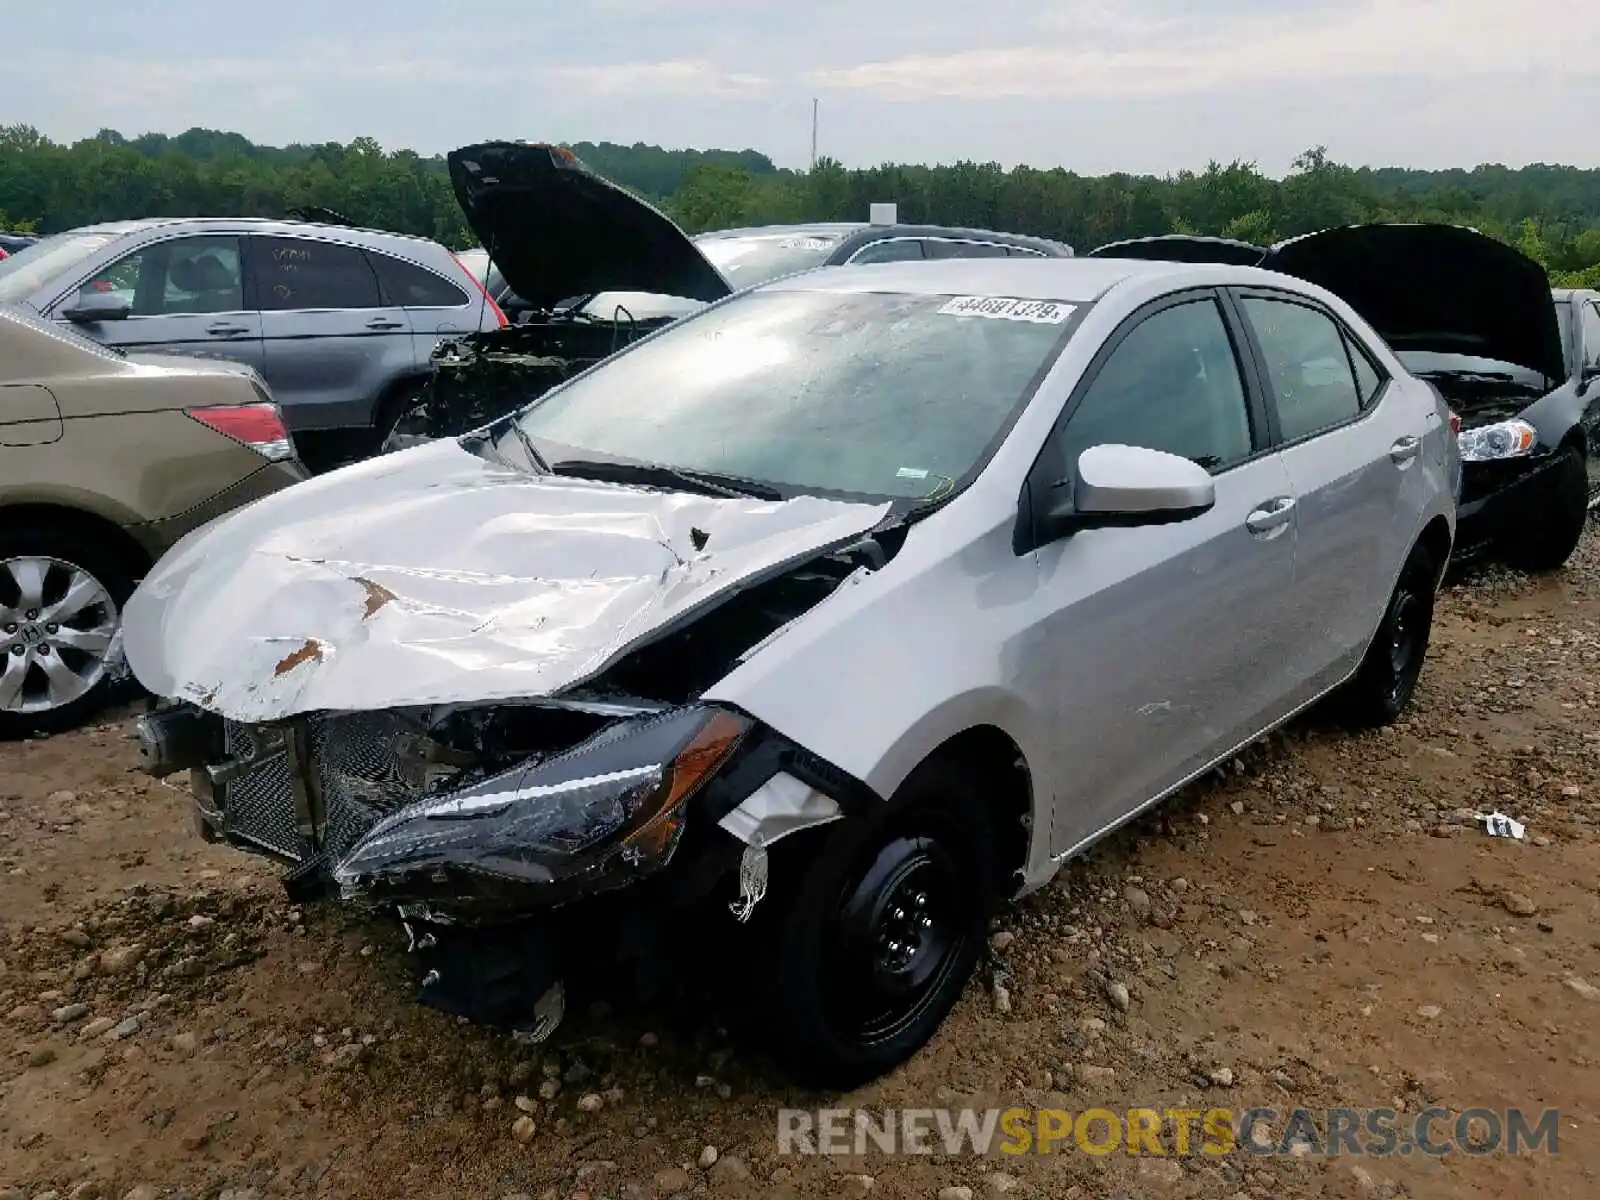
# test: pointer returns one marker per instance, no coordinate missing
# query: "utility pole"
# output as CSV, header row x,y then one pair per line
x,y
813,133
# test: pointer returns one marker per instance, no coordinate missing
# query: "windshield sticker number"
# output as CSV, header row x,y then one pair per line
x,y
1009,308
804,243
910,473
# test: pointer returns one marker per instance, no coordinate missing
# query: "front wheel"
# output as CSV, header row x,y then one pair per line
x,y
1556,530
870,950
1387,678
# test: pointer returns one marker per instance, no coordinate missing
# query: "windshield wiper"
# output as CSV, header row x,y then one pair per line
x,y
710,483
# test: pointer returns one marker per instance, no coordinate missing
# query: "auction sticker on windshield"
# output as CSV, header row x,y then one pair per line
x,y
1008,308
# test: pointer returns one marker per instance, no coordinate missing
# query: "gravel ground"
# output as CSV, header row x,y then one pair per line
x,y
1323,924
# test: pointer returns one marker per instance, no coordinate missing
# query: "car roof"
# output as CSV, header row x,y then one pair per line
x,y
863,230
1076,280
259,225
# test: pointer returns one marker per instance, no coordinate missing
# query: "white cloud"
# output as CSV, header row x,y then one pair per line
x,y
1125,55
675,77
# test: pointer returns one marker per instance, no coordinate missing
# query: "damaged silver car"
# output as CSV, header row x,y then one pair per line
x,y
822,622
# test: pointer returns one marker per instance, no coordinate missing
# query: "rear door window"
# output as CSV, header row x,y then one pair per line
x,y
407,285
301,273
1308,368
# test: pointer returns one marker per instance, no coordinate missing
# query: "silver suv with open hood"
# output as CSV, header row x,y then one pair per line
x,y
811,627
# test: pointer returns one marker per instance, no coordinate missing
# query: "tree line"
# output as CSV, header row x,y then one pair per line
x,y
1550,212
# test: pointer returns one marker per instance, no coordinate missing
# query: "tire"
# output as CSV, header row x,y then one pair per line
x,y
1547,546
78,570
836,1003
1387,678
406,422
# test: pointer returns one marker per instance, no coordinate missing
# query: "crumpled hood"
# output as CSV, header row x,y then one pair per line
x,y
555,229
1441,288
436,576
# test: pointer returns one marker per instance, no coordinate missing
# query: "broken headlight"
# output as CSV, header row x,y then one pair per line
x,y
613,805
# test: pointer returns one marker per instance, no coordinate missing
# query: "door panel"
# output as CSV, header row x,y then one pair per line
x,y
1179,627
332,346
1176,631
187,297
1354,463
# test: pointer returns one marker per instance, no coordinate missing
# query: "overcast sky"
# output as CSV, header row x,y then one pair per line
x,y
1094,85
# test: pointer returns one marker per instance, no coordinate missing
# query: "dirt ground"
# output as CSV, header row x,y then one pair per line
x,y
1325,926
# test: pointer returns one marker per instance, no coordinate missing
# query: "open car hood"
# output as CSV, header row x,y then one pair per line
x,y
1183,247
437,576
1440,288
555,229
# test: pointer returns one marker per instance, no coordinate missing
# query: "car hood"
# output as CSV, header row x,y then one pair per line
x,y
1183,247
439,576
555,229
1441,288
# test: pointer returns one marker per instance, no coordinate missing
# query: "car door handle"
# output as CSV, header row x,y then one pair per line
x,y
1271,517
384,323
1404,450
225,330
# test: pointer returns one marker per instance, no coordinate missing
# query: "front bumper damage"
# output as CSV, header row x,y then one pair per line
x,y
510,864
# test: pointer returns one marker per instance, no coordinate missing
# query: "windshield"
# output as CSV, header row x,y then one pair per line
x,y
877,395
747,261
1564,319
29,269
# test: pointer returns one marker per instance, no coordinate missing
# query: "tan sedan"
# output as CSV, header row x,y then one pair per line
x,y
106,460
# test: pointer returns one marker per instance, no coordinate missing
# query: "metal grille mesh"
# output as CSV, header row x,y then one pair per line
x,y
260,805
359,773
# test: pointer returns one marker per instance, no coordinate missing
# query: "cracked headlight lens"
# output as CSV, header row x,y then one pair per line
x,y
614,802
1503,439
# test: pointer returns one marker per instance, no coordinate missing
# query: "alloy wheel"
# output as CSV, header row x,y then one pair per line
x,y
58,624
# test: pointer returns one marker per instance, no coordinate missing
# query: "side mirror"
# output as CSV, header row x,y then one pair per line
x,y
1126,486
97,306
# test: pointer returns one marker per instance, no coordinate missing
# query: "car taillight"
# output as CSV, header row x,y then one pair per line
x,y
259,426
1455,421
484,292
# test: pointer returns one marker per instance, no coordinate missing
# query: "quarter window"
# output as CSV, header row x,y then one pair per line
x,y
1369,380
182,276
297,273
1308,369
1171,384
410,286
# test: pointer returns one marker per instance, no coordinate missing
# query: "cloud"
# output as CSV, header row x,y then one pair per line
x,y
695,77
1113,54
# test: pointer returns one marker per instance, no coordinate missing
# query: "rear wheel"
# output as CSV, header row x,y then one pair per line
x,y
1387,678
61,598
1551,541
870,950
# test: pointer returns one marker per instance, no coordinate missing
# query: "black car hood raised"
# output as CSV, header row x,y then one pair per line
x,y
555,229
1183,247
1443,288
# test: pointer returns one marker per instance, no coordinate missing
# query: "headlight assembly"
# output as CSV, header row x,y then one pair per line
x,y
612,806
1503,439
